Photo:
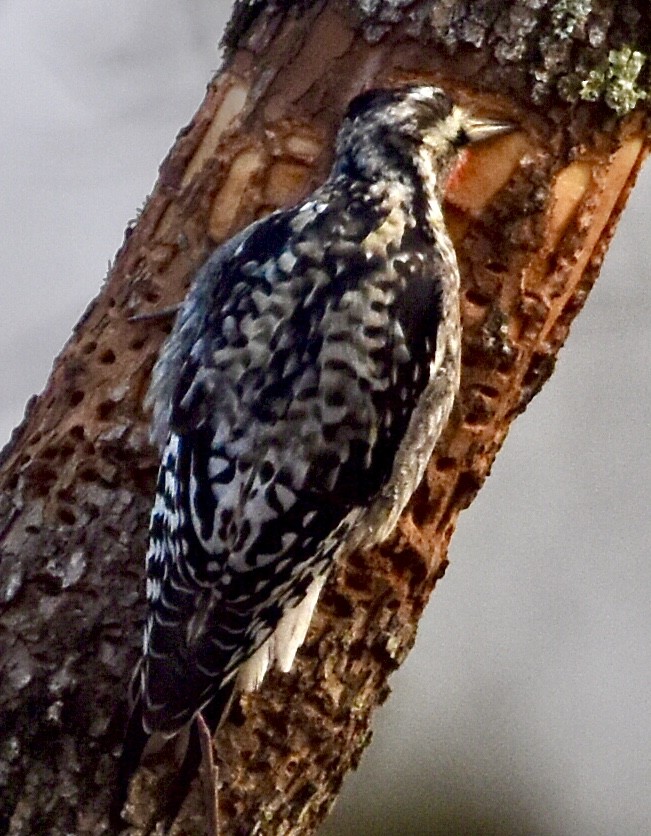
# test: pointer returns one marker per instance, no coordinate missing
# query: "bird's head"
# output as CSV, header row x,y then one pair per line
x,y
386,131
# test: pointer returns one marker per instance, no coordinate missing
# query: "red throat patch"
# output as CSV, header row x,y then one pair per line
x,y
457,175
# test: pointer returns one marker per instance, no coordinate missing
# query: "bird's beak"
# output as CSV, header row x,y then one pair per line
x,y
478,129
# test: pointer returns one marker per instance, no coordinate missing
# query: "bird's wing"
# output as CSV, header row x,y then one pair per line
x,y
285,389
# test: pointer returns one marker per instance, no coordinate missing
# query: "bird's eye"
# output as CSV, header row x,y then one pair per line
x,y
461,139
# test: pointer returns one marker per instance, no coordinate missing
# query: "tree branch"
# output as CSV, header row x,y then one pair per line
x,y
531,223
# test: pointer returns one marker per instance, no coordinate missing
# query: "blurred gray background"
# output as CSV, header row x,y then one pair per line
x,y
524,708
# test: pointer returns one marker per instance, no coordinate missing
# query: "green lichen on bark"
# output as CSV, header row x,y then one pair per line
x,y
616,80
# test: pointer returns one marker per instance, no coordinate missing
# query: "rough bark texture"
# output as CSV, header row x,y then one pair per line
x,y
531,221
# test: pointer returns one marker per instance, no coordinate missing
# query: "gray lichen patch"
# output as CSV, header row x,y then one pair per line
x,y
570,17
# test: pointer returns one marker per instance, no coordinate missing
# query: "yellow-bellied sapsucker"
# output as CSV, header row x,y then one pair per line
x,y
310,372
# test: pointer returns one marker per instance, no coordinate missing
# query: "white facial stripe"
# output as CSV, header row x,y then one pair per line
x,y
445,132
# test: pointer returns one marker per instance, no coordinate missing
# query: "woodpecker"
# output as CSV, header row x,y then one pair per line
x,y
297,401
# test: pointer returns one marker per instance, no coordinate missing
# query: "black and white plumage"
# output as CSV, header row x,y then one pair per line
x,y
309,374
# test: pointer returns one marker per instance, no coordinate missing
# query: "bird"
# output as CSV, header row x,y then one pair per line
x,y
309,374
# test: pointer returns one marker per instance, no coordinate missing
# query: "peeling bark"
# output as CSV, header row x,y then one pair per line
x,y
531,221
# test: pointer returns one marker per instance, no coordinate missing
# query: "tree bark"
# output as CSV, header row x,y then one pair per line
x,y
531,220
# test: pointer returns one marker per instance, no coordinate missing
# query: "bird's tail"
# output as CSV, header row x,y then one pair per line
x,y
135,740
135,743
